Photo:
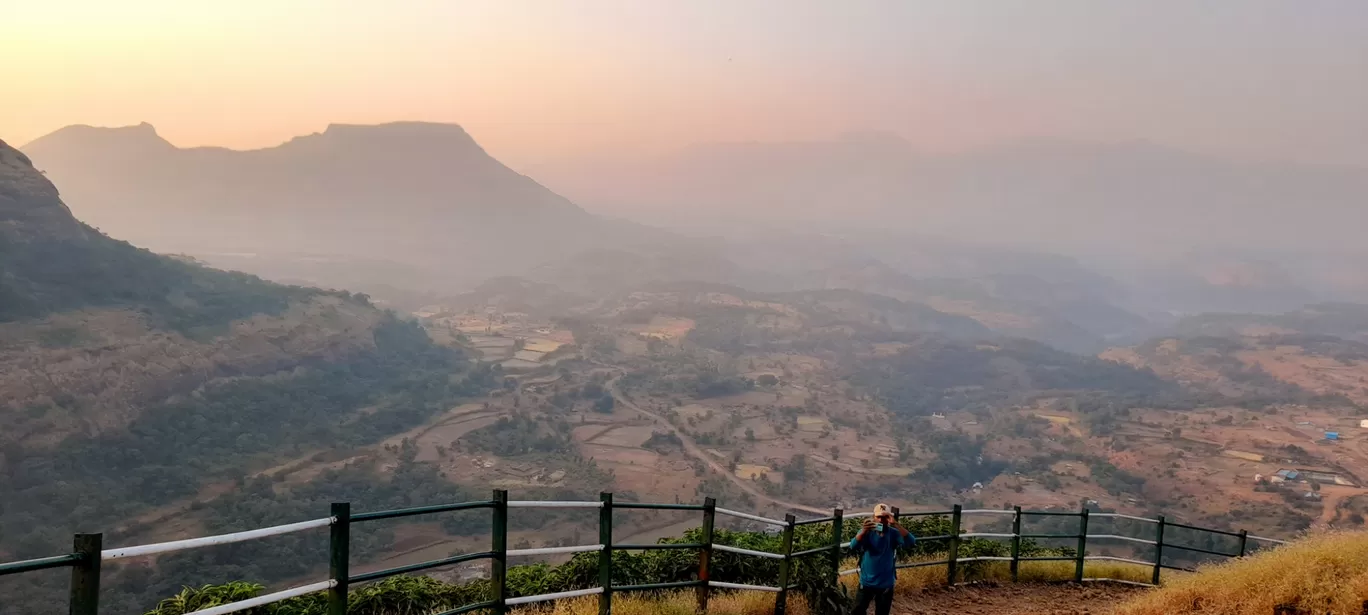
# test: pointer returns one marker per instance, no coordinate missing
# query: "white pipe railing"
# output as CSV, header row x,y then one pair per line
x,y
1120,537
208,541
987,511
986,535
740,551
1272,540
1121,581
1108,558
762,588
243,605
552,504
576,593
741,515
1121,516
554,550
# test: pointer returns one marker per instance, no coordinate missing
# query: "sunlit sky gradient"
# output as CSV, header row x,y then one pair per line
x,y
537,80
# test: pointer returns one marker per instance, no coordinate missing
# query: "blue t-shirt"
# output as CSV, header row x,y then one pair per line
x,y
878,557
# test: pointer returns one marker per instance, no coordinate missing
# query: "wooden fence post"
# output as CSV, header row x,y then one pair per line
x,y
837,534
705,554
498,565
339,557
1158,550
1016,542
85,575
606,555
954,544
785,566
1082,544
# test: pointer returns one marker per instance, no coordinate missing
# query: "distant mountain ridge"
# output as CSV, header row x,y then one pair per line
x,y
1045,193
413,192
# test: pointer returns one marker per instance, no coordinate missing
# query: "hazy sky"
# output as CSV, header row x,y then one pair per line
x,y
539,80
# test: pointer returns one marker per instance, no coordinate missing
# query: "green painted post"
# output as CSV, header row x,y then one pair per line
x,y
85,575
837,533
785,566
1244,541
339,557
1158,551
606,555
498,565
1016,542
705,554
1082,544
954,545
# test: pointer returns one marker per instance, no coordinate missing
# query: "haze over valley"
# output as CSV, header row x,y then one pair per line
x,y
1030,288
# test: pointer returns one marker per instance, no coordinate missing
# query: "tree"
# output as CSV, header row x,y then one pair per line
x,y
750,435
605,404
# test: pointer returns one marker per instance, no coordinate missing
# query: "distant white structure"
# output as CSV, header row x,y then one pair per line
x,y
1258,478
1363,423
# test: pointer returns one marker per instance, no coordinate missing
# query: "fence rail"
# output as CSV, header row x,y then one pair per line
x,y
87,553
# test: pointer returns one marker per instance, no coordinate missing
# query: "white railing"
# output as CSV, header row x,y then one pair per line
x,y
740,551
554,550
243,605
741,515
554,596
209,541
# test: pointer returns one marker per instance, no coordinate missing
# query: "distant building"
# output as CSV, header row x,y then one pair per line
x,y
1363,423
1332,435
1282,475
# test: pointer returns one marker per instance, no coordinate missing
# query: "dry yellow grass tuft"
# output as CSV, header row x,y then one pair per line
x,y
1326,573
674,603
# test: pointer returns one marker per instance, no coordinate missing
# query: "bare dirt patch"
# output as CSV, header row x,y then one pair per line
x,y
1019,599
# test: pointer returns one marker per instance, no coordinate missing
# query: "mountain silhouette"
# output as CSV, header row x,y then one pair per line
x,y
418,193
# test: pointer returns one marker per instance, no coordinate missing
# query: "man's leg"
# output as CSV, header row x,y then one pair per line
x,y
862,598
883,601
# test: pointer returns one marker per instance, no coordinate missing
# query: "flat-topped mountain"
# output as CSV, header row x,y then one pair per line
x,y
417,193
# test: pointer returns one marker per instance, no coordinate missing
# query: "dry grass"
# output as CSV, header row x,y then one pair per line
x,y
910,580
674,603
1326,573
913,579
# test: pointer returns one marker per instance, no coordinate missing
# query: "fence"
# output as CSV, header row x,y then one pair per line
x,y
88,552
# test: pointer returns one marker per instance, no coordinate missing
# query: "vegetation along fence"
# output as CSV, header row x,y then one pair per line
x,y
88,551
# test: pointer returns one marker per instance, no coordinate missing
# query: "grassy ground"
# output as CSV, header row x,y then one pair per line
x,y
910,581
675,603
1326,573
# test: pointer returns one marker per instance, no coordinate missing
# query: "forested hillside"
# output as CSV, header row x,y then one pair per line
x,y
131,382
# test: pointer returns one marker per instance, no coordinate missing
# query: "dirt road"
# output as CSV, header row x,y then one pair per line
x,y
693,450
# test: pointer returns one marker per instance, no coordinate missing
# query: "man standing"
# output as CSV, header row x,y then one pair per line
x,y
877,545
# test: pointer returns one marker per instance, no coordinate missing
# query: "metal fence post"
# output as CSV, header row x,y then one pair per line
x,y
498,565
1016,542
85,575
1158,550
339,557
1244,541
705,554
606,555
837,533
785,566
951,565
1082,544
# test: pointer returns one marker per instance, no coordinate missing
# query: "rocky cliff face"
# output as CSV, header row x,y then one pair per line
x,y
29,205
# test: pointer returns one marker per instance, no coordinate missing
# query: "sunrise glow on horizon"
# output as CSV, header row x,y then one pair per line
x,y
544,79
